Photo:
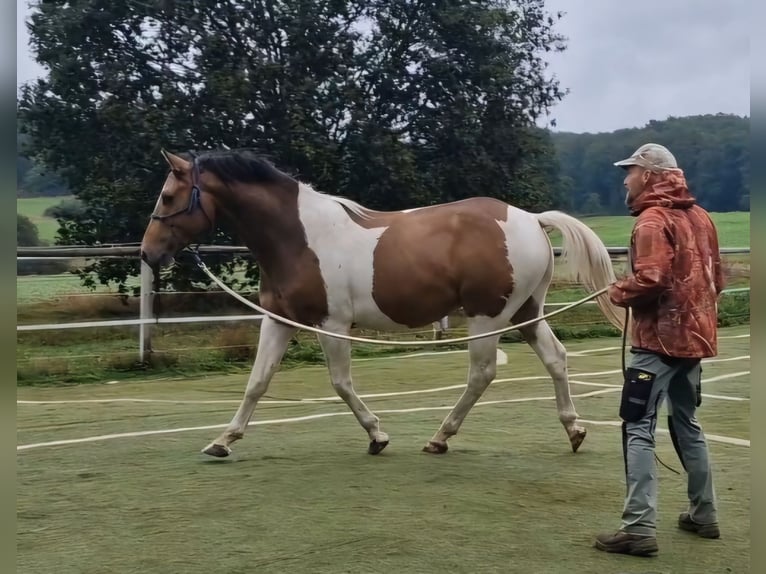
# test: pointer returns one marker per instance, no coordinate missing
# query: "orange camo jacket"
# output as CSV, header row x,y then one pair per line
x,y
676,274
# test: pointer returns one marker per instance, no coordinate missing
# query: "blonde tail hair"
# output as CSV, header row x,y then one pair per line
x,y
586,260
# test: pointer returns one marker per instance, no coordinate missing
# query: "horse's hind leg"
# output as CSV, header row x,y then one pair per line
x,y
272,345
338,354
554,356
483,354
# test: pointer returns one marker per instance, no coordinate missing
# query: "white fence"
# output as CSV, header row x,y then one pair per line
x,y
146,297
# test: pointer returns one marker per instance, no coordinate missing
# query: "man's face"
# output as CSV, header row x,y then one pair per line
x,y
635,181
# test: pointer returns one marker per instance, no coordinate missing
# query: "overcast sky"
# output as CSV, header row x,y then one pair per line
x,y
626,62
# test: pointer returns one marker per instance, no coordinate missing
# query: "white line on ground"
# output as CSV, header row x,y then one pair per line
x,y
726,376
460,351
718,378
502,357
335,398
728,440
711,437
287,420
586,352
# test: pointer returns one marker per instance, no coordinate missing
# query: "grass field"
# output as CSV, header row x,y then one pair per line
x,y
614,230
302,496
34,207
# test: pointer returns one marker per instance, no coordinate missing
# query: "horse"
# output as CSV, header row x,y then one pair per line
x,y
327,261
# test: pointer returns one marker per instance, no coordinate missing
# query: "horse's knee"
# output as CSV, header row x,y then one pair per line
x,y
489,371
342,387
482,374
255,389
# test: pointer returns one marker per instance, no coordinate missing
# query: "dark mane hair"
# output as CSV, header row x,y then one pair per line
x,y
241,165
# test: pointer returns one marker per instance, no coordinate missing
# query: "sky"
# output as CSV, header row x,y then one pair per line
x,y
626,63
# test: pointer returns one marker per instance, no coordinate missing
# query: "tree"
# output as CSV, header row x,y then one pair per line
x,y
65,210
37,181
712,150
27,234
393,103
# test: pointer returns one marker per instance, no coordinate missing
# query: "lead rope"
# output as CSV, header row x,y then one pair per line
x,y
319,331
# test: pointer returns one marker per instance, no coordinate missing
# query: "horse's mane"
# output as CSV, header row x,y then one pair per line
x,y
248,166
241,165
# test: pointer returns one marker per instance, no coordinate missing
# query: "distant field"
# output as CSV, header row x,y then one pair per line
x,y
614,230
34,207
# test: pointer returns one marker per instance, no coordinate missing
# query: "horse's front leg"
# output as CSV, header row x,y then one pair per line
x,y
338,354
272,345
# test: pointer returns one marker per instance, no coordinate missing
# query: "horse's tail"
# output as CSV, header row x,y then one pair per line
x,y
586,259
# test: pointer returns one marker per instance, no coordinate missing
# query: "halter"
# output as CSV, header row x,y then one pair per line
x,y
194,203
194,199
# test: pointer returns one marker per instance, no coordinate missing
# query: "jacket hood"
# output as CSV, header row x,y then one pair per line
x,y
672,192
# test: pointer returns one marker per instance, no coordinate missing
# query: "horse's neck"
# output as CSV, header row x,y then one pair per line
x,y
277,233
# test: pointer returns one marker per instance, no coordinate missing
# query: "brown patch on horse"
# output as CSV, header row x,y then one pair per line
x,y
291,281
432,260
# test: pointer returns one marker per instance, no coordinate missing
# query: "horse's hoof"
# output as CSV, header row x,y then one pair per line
x,y
376,447
217,450
577,438
435,447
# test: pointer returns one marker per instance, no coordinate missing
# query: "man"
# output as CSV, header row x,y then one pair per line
x,y
672,293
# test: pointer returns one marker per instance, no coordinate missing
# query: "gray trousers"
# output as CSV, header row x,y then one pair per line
x,y
649,381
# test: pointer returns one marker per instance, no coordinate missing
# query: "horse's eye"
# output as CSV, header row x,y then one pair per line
x,y
167,199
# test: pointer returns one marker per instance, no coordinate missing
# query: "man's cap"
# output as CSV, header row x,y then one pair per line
x,y
650,156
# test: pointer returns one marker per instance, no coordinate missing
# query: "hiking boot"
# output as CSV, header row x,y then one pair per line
x,y
711,530
625,543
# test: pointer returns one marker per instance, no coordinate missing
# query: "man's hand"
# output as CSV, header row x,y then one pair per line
x,y
616,295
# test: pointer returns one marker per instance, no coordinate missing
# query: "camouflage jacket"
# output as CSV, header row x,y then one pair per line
x,y
676,275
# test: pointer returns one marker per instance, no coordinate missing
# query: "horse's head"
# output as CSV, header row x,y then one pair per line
x,y
185,209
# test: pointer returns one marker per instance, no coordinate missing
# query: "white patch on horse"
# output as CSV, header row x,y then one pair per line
x,y
345,251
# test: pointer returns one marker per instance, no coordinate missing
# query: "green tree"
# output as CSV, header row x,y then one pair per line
x,y
27,234
712,150
393,103
65,210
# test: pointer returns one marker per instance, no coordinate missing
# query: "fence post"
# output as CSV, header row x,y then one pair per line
x,y
145,311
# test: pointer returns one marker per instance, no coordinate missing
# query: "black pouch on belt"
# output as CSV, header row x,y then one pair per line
x,y
635,394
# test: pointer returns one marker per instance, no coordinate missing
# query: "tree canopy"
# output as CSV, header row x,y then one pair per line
x,y
713,151
393,103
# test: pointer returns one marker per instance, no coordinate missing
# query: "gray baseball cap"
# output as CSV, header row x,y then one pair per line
x,y
650,156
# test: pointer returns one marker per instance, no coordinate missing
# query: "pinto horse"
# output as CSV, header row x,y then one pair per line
x,y
328,262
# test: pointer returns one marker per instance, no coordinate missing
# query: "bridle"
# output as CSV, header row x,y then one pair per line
x,y
195,201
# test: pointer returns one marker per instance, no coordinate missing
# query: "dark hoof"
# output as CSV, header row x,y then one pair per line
x,y
435,447
377,447
217,450
577,438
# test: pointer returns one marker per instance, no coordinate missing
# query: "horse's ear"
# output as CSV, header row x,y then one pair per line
x,y
175,162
